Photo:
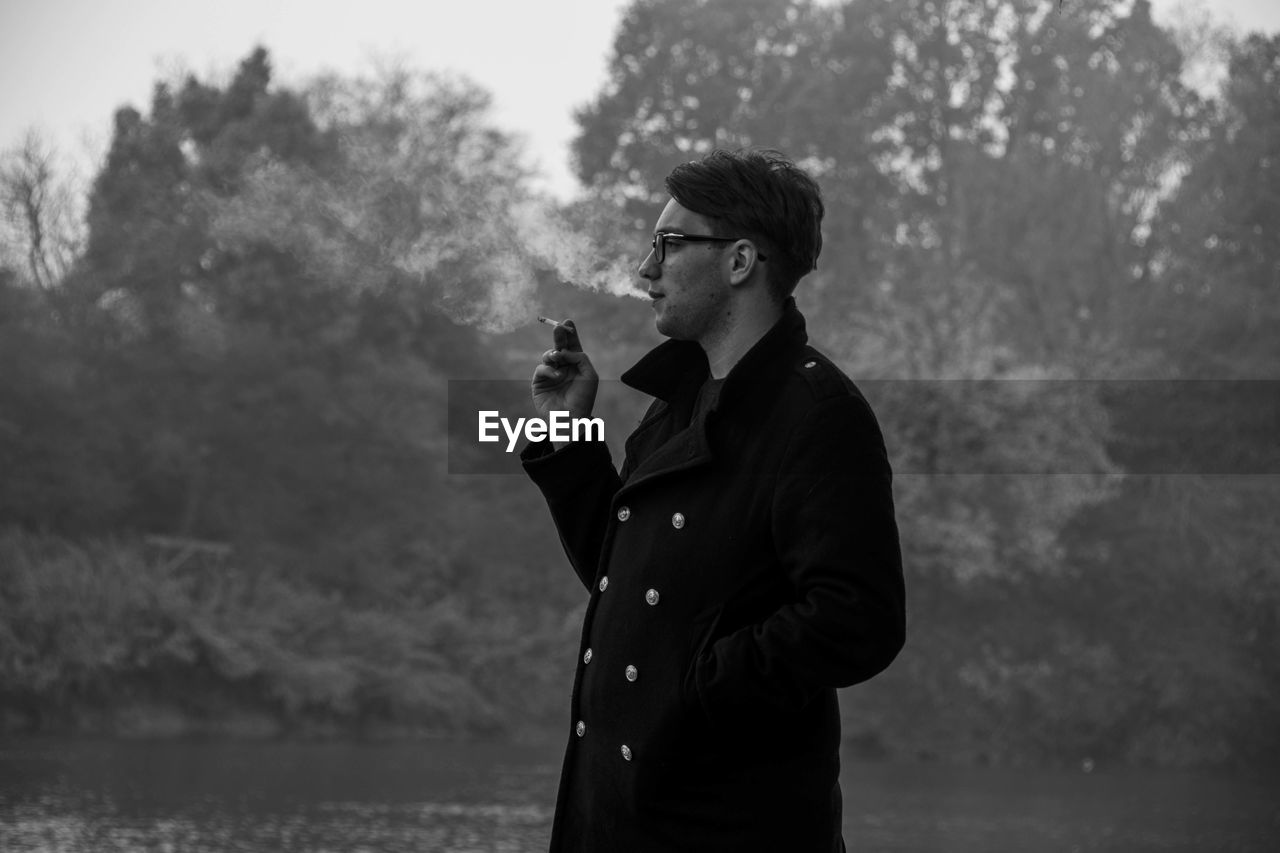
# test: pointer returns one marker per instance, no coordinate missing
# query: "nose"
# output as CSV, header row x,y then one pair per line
x,y
650,269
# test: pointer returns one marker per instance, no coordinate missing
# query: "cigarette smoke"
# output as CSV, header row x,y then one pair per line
x,y
510,244
478,256
552,243
549,242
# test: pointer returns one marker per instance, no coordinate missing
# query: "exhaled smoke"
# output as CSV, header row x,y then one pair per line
x,y
507,247
475,252
550,240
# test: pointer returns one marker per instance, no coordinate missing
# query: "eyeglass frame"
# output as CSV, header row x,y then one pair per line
x,y
660,238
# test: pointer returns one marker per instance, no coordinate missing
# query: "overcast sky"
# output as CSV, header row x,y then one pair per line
x,y
66,65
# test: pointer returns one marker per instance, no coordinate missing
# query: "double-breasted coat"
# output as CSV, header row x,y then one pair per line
x,y
742,565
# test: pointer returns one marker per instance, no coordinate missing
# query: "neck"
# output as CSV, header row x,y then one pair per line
x,y
744,326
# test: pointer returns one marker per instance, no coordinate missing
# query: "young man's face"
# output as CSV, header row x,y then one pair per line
x,y
690,288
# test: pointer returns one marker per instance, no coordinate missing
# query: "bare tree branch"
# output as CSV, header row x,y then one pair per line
x,y
37,204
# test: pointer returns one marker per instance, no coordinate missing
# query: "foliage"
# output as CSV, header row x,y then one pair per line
x,y
256,376
1219,255
111,624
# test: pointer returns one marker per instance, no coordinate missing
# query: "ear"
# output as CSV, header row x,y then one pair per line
x,y
743,264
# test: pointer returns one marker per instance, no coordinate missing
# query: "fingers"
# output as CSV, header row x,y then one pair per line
x,y
545,375
566,362
563,358
566,337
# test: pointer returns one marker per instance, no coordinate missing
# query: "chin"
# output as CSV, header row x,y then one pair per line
x,y
666,328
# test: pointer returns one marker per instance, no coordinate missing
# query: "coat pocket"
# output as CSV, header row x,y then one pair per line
x,y
702,634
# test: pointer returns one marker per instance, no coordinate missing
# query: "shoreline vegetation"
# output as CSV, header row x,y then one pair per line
x,y
119,639
115,638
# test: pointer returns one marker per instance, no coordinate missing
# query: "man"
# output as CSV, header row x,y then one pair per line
x,y
744,563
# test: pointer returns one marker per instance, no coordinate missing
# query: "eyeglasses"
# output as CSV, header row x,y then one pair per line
x,y
660,239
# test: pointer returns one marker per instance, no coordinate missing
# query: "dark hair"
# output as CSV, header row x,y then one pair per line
x,y
763,196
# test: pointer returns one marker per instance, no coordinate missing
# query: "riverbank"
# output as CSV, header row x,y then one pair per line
x,y
75,795
160,721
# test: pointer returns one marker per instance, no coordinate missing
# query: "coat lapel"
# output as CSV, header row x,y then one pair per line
x,y
687,449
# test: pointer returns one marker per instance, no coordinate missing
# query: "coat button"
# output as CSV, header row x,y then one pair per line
x,y
810,364
586,657
677,520
626,752
632,673
604,583
581,728
651,596
624,513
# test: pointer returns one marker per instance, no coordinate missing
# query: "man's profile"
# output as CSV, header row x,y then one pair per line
x,y
744,561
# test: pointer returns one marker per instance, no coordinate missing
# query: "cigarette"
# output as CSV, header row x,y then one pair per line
x,y
550,322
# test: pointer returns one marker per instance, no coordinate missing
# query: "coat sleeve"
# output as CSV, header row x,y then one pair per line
x,y
578,482
837,543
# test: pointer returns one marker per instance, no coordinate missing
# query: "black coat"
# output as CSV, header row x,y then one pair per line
x,y
741,568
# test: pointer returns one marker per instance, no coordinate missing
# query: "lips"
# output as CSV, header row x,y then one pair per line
x,y
655,296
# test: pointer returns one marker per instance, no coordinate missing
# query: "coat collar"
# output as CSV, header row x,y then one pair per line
x,y
674,370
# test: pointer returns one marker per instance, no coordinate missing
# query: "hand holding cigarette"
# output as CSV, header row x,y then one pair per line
x,y
565,381
565,334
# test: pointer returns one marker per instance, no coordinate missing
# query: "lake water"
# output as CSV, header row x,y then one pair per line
x,y
74,796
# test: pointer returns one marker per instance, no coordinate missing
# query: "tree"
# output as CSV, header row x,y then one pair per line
x,y
262,355
1201,543
1219,256
39,216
